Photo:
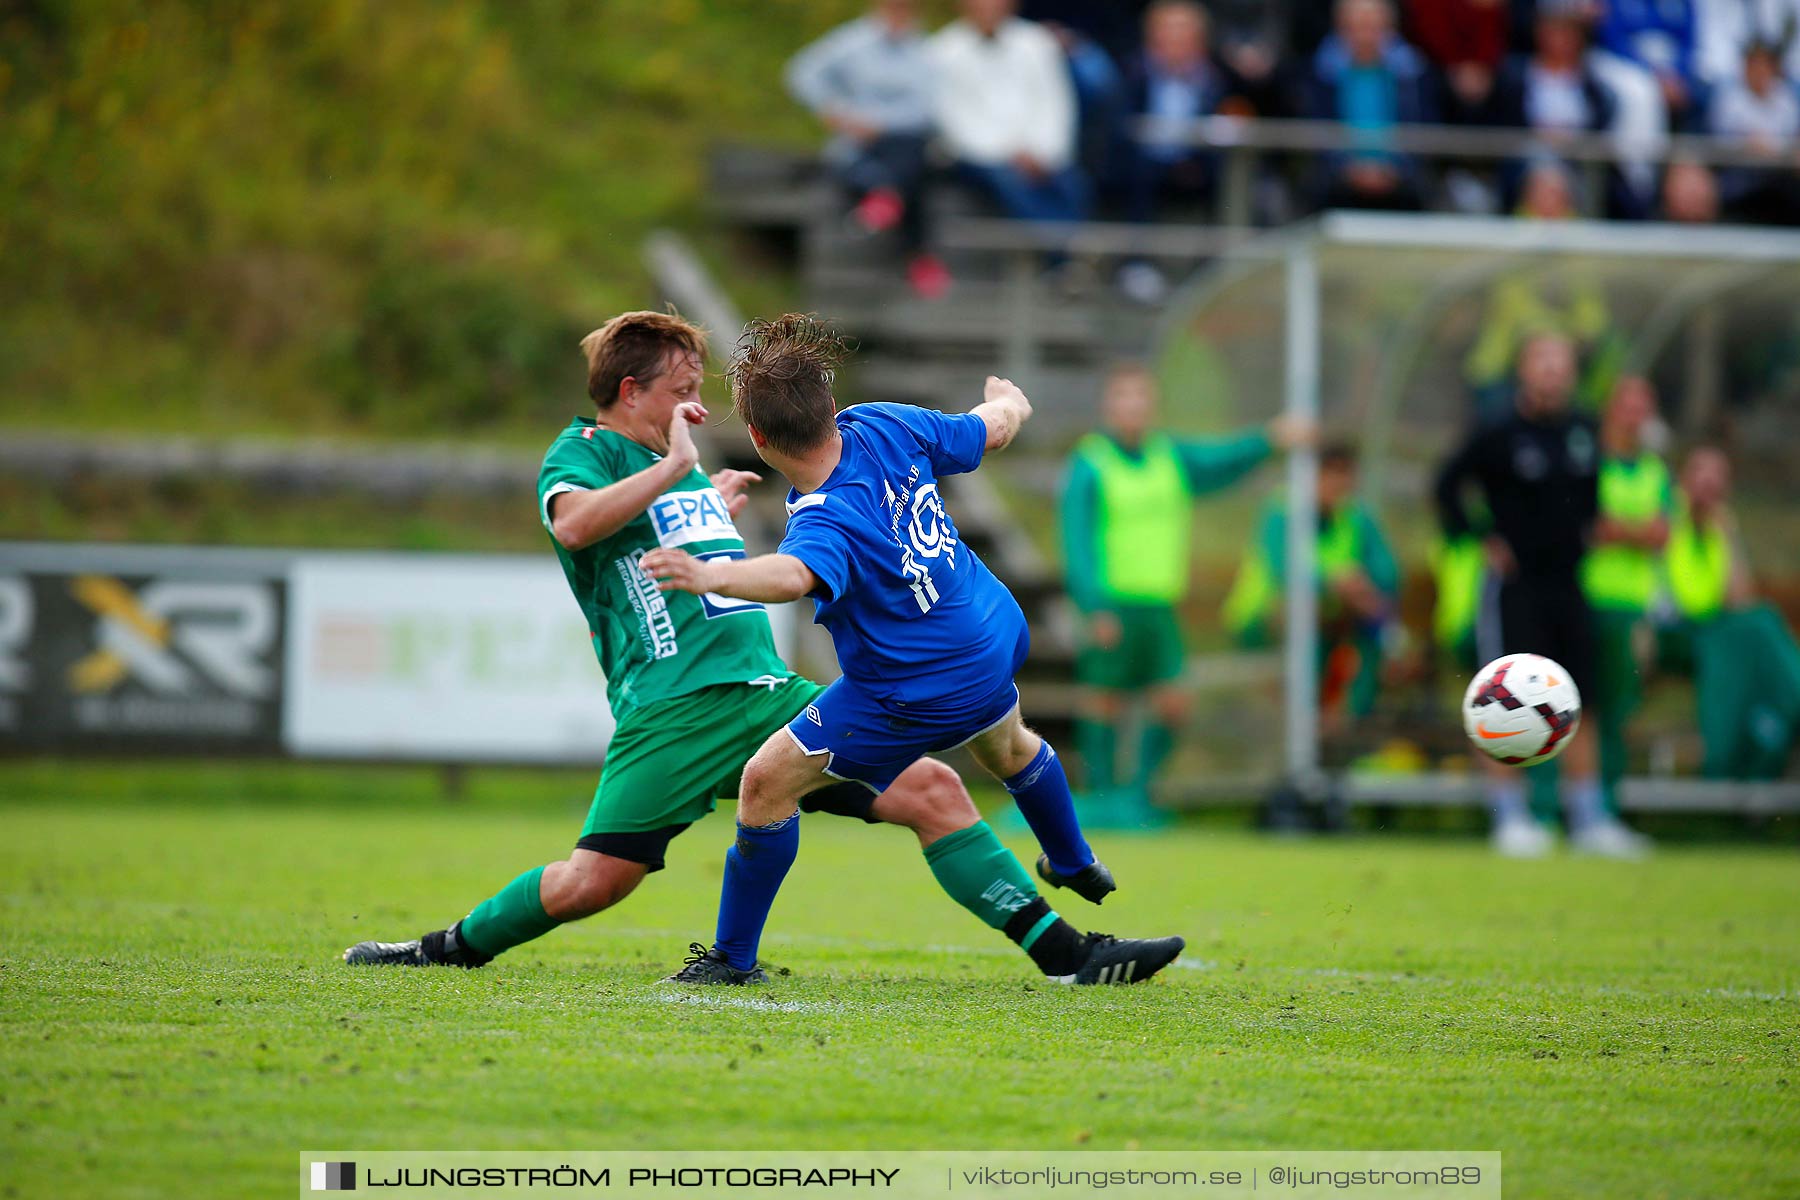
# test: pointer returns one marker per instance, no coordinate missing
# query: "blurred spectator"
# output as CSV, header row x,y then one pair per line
x,y
1537,475
1554,90
1367,77
1171,81
1548,193
1690,194
1112,25
1728,27
1761,112
1746,663
1099,99
1006,111
1310,22
1662,37
1251,36
1358,583
1127,515
1467,40
870,82
1620,575
1639,132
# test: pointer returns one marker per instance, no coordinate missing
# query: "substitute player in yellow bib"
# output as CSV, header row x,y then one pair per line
x,y
1127,534
1621,579
1746,661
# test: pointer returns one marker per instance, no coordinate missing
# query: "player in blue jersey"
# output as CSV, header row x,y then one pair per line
x,y
929,640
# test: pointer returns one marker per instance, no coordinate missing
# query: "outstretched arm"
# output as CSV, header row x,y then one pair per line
x,y
1003,410
768,578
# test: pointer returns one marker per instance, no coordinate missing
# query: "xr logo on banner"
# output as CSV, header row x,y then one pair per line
x,y
170,634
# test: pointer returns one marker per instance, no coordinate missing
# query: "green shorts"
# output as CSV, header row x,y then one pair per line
x,y
1150,651
670,761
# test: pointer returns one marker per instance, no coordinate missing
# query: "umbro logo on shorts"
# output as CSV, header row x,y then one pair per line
x,y
812,714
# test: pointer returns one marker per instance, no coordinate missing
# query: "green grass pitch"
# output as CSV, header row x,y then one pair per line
x,y
176,1022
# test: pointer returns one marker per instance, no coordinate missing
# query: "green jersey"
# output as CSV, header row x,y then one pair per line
x,y
654,645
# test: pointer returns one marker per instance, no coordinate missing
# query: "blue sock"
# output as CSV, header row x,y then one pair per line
x,y
754,868
1508,801
1042,793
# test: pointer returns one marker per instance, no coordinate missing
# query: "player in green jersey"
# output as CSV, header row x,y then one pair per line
x,y
694,682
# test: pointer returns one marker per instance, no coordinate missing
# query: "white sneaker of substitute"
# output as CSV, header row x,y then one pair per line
x,y
1523,839
1610,839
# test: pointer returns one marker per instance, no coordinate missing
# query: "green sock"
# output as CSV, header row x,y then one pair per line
x,y
980,874
1153,751
1614,757
1546,791
510,917
1098,743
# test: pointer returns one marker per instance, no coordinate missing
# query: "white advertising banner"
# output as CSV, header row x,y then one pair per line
x,y
440,657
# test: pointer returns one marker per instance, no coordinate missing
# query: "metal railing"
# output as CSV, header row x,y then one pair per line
x,y
1246,141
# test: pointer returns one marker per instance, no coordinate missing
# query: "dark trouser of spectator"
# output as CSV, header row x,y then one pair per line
x,y
892,162
1372,183
1060,195
1100,96
1763,197
1151,180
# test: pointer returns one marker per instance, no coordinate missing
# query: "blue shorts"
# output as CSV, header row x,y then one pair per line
x,y
871,741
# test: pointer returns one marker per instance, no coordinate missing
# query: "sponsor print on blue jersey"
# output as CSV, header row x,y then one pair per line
x,y
681,518
913,612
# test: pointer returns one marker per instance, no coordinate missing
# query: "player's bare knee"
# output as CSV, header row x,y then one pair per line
x,y
1021,748
928,798
592,883
763,798
944,801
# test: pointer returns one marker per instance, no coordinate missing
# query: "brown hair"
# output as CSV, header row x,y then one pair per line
x,y
636,345
1338,452
1126,368
781,374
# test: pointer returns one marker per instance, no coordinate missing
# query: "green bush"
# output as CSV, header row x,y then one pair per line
x,y
338,216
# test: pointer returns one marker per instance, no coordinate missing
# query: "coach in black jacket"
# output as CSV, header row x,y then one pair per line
x,y
1538,475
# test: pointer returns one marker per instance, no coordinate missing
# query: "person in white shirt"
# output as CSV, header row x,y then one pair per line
x,y
1761,112
871,83
1726,28
1006,112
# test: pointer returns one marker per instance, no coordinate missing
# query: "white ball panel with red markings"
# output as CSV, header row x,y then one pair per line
x,y
1521,709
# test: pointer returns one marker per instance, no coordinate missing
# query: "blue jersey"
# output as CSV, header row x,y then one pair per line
x,y
914,614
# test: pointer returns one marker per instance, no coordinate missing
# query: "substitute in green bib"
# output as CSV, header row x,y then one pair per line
x,y
1746,662
1357,581
1127,531
1621,574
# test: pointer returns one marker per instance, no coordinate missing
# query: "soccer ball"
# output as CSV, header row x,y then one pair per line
x,y
1521,709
